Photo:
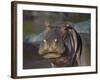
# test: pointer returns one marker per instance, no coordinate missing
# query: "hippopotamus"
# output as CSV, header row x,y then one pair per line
x,y
62,45
55,46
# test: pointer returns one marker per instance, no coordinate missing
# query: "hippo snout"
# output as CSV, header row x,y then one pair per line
x,y
51,48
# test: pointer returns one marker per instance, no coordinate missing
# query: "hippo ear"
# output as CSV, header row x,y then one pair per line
x,y
47,25
68,25
65,28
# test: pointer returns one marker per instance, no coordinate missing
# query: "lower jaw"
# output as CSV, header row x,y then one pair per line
x,y
51,55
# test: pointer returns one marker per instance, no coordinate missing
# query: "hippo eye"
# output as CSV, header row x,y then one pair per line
x,y
67,25
55,40
44,41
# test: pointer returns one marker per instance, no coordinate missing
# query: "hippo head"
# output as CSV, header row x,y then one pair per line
x,y
52,46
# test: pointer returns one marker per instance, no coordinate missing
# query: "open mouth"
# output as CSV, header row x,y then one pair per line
x,y
48,55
